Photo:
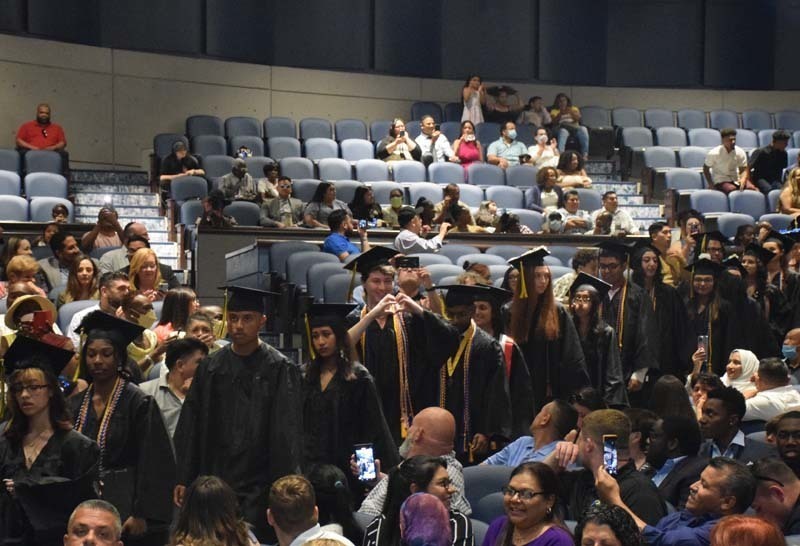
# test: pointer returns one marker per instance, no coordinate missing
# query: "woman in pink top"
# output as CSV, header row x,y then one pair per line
x,y
466,147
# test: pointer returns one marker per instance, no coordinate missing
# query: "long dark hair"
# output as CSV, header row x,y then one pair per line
x,y
319,193
417,470
566,158
638,270
344,365
177,307
669,397
210,515
18,425
525,310
761,273
73,287
596,322
10,250
334,500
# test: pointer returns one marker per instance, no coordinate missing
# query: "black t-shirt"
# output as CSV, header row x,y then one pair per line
x,y
767,163
172,165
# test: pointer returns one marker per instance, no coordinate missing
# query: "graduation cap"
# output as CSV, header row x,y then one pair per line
x,y
782,239
584,279
705,266
494,295
616,248
122,331
532,258
49,502
464,294
27,352
764,255
704,238
372,258
243,298
733,262
43,303
325,314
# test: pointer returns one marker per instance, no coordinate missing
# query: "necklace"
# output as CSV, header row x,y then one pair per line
x,y
111,405
521,538
32,449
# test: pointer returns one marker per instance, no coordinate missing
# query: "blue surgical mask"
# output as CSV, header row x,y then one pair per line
x,y
789,353
512,134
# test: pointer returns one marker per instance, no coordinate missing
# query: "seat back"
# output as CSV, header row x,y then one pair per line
x,y
162,144
321,148
191,211
255,165
316,275
683,179
242,126
692,157
206,145
657,117
480,258
777,221
425,108
752,203
483,174
487,132
659,157
706,138
745,138
315,128
277,126
296,167
506,251
626,117
13,208
245,213
765,136
216,166
590,199
333,168
723,119
453,111
279,253
9,183
408,171
369,170
204,125
558,271
691,119
281,147
445,173
729,222
430,191
253,143
521,175
42,161
451,129
68,310
772,199
453,251
379,129
298,264
471,195
382,190
41,208
637,137
595,116
350,128
354,149
788,120
304,188
671,136
346,189
506,197
526,133
427,258
440,271
489,508
188,187
563,252
705,201
530,218
336,287
756,120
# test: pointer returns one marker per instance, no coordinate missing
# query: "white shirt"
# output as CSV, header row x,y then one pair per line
x,y
77,318
620,221
767,404
409,242
114,260
725,165
442,145
316,532
547,159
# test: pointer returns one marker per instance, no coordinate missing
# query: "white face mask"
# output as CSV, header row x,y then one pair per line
x,y
405,447
541,139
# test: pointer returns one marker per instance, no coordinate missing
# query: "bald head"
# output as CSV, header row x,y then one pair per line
x,y
135,228
435,430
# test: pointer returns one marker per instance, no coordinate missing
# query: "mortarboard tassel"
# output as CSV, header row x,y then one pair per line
x,y
523,290
311,352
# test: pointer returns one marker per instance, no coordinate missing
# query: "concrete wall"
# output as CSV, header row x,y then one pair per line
x,y
112,102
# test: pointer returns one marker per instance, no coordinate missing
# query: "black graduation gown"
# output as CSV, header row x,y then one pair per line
x,y
519,389
721,339
638,329
779,316
670,323
430,342
557,367
68,458
601,351
489,407
747,325
242,422
138,467
344,414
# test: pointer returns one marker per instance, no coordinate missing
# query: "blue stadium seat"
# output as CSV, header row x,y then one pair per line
x,y
426,259
321,148
626,117
190,212
424,108
379,129
296,167
350,128
674,137
692,157
42,161
41,208
255,165
446,173
471,195
316,275
777,221
765,136
752,203
452,130
279,254
487,132
10,160
772,199
242,126
590,199
9,183
530,218
684,179
660,157
413,128
440,271
13,208
281,147
277,126
245,213
371,170
430,191
691,119
334,168
483,174
521,175
162,145
205,145
558,271
746,139
188,187
453,251
216,166
507,251
45,184
595,117
526,133
304,188
563,252
788,120
480,258
355,149
756,120
704,138
796,137
204,125
709,201
724,119
657,117
637,137
336,287
315,128
533,198
66,312
382,190
346,189
253,143
506,197
453,111
729,222
298,264
791,156
408,171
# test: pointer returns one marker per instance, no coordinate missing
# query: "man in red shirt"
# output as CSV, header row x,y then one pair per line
x,y
41,134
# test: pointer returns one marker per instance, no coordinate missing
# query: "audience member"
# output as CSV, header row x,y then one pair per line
x,y
338,242
145,275
787,439
213,211
94,522
544,153
700,384
426,213
28,270
105,233
60,213
604,525
584,261
462,220
735,530
179,163
725,167
322,204
767,163
487,216
790,354
365,208
424,521
179,305
82,283
451,195
674,465
473,95
433,144
567,118
334,501
569,219
571,172
268,186
585,401
409,240
535,114
16,290
50,229
789,201
135,243
114,288
41,133
15,246
56,268
116,259
642,421
390,213
284,210
742,365
670,266
774,393
239,185
145,351
510,223
621,223
397,145
506,150
466,147
777,497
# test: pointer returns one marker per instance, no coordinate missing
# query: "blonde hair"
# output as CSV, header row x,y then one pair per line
x,y
21,264
137,261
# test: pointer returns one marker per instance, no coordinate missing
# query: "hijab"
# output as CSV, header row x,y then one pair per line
x,y
749,367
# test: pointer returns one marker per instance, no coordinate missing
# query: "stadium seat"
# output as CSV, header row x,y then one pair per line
x,y
723,119
428,258
453,111
279,254
674,137
162,145
242,126
315,128
379,129
13,208
42,161
777,221
446,173
659,157
355,149
526,133
204,125
316,275
408,171
68,310
487,132
41,208
453,250
788,120
791,159
471,195
530,218
796,138
370,170
382,190
336,287
558,271
9,183
684,179
98,253
488,508
439,271
521,175
709,201
657,117
552,261
626,117
333,168
190,212
746,139
188,187
480,258
304,188
772,200
296,167
729,222
483,174
216,166
533,198
479,530
253,143
637,137
255,165
430,191
595,117
45,184
413,128
506,197
563,252
10,160
692,157
350,128
590,199
205,145
765,136
346,189
279,127
281,147
245,213
691,119
321,148
752,203
756,120
704,138
298,264
452,130
424,108
506,251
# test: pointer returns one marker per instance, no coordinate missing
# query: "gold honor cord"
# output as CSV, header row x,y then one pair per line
x,y
466,348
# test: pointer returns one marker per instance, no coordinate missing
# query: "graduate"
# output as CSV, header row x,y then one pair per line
x,y
490,318
545,332
598,339
773,306
137,468
402,345
472,382
778,272
242,418
46,467
341,407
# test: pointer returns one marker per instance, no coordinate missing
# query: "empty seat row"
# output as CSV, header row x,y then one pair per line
x,y
675,137
35,161
691,157
14,208
752,204
275,127
598,116
37,184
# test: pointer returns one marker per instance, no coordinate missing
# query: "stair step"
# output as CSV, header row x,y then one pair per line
x,y
643,211
82,188
600,167
152,224
133,212
93,177
117,198
622,188
625,200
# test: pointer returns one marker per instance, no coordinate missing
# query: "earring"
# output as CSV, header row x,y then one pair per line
x,y
549,512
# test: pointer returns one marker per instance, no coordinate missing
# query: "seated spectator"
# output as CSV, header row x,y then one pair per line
x,y
571,173
745,236
567,118
210,515
390,212
552,196
17,290
364,207
774,393
487,215
238,185
433,144
672,458
506,150
145,350
510,223
49,230
443,209
742,365
200,325
338,242
133,244
607,525
477,271
700,384
544,153
535,114
690,223
284,210
82,283
427,214
114,288
322,204
105,233
41,133
145,275
502,104
116,259
96,518
787,439
725,167
789,201
767,163
642,422
409,241
56,268
553,422
668,397
15,246
213,215
334,501
584,261
268,186
466,147
424,521
461,219
735,530
529,501
20,319
777,497
621,221
571,219
473,95
398,146
60,214
179,305
725,487
510,281
720,425
179,163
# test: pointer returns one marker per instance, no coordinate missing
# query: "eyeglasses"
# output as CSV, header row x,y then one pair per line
x,y
284,186
17,389
582,299
786,434
605,267
523,494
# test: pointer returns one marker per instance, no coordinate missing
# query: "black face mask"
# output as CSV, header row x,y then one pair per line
x,y
43,120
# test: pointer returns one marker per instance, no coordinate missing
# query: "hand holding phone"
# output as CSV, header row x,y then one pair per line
x,y
610,453
365,461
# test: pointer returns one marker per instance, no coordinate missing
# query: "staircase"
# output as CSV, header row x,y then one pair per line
x,y
605,177
129,193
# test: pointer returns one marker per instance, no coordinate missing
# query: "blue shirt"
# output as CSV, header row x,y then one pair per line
x,y
733,450
509,152
521,451
336,244
680,529
664,471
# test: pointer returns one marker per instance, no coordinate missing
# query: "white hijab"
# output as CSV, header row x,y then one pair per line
x,y
749,367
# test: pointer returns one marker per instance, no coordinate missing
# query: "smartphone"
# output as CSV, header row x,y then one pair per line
x,y
610,453
41,320
402,133
163,287
365,459
407,262
362,224
437,127
702,343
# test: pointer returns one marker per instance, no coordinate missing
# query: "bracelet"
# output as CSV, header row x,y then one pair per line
x,y
433,287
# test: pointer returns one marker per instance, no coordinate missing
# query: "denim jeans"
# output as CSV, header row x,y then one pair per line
x,y
582,134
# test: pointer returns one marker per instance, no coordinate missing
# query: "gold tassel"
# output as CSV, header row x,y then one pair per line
x,y
352,284
523,290
221,328
311,352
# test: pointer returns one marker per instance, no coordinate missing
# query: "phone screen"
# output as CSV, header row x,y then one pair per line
x,y
365,459
362,224
410,262
402,133
610,453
